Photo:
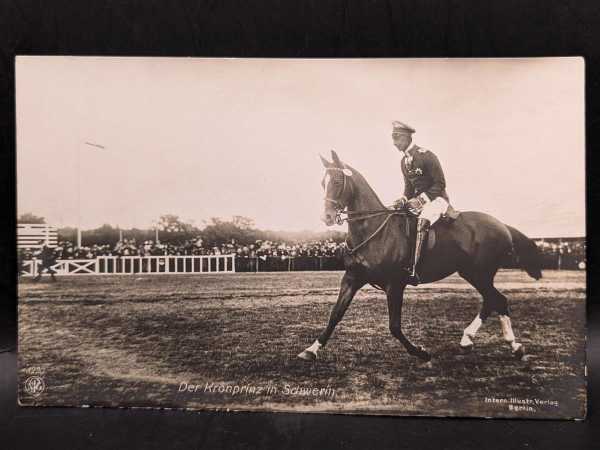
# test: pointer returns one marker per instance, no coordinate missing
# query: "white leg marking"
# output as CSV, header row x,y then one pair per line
x,y
473,328
466,341
515,346
314,348
470,332
507,333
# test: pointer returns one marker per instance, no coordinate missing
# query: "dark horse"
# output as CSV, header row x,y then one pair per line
x,y
475,245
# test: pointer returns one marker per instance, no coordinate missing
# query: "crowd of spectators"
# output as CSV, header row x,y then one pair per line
x,y
556,254
562,254
258,249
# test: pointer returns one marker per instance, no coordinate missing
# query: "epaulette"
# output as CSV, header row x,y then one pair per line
x,y
422,150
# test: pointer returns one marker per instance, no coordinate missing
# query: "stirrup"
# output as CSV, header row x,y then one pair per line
x,y
409,278
413,280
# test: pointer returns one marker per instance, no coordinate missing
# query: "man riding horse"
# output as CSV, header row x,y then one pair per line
x,y
475,245
424,189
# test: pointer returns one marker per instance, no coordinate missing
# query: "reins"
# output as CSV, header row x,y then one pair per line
x,y
355,216
367,214
376,232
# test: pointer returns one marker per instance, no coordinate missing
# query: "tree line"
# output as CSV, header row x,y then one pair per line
x,y
172,229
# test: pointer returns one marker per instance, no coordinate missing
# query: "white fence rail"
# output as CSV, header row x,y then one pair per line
x,y
130,265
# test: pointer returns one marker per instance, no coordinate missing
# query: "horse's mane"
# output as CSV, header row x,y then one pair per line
x,y
363,184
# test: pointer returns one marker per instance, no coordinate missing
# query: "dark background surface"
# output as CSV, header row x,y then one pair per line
x,y
417,28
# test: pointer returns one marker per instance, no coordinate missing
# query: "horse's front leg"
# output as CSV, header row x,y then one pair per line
x,y
395,298
350,284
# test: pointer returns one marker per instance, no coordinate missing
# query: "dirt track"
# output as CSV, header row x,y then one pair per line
x,y
138,340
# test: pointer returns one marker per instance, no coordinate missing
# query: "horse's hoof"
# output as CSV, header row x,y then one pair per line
x,y
519,353
307,355
426,365
422,354
465,349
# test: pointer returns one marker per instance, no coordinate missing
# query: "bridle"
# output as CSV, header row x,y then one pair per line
x,y
338,206
355,216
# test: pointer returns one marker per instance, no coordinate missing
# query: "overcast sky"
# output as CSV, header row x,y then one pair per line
x,y
216,137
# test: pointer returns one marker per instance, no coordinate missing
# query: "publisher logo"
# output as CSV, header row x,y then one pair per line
x,y
34,386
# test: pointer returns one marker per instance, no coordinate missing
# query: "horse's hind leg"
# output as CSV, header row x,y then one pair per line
x,y
501,306
478,282
466,342
496,301
493,300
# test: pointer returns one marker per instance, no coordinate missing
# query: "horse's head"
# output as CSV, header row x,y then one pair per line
x,y
338,186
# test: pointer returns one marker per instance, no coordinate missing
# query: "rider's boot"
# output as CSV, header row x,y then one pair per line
x,y
422,228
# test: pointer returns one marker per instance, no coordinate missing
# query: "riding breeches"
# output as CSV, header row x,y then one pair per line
x,y
434,209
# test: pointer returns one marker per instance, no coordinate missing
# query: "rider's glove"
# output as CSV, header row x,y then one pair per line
x,y
415,205
400,203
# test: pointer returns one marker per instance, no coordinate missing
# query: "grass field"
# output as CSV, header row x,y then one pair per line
x,y
233,339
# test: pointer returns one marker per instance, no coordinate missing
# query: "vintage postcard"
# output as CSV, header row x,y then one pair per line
x,y
385,236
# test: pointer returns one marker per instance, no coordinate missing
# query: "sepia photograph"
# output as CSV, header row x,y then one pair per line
x,y
357,236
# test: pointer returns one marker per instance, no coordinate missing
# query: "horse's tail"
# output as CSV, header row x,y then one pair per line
x,y
527,254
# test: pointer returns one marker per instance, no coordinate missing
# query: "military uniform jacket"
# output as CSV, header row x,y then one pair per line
x,y
423,174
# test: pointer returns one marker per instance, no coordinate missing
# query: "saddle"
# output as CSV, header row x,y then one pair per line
x,y
447,218
450,214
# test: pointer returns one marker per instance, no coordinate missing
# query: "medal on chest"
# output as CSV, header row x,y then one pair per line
x,y
413,171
